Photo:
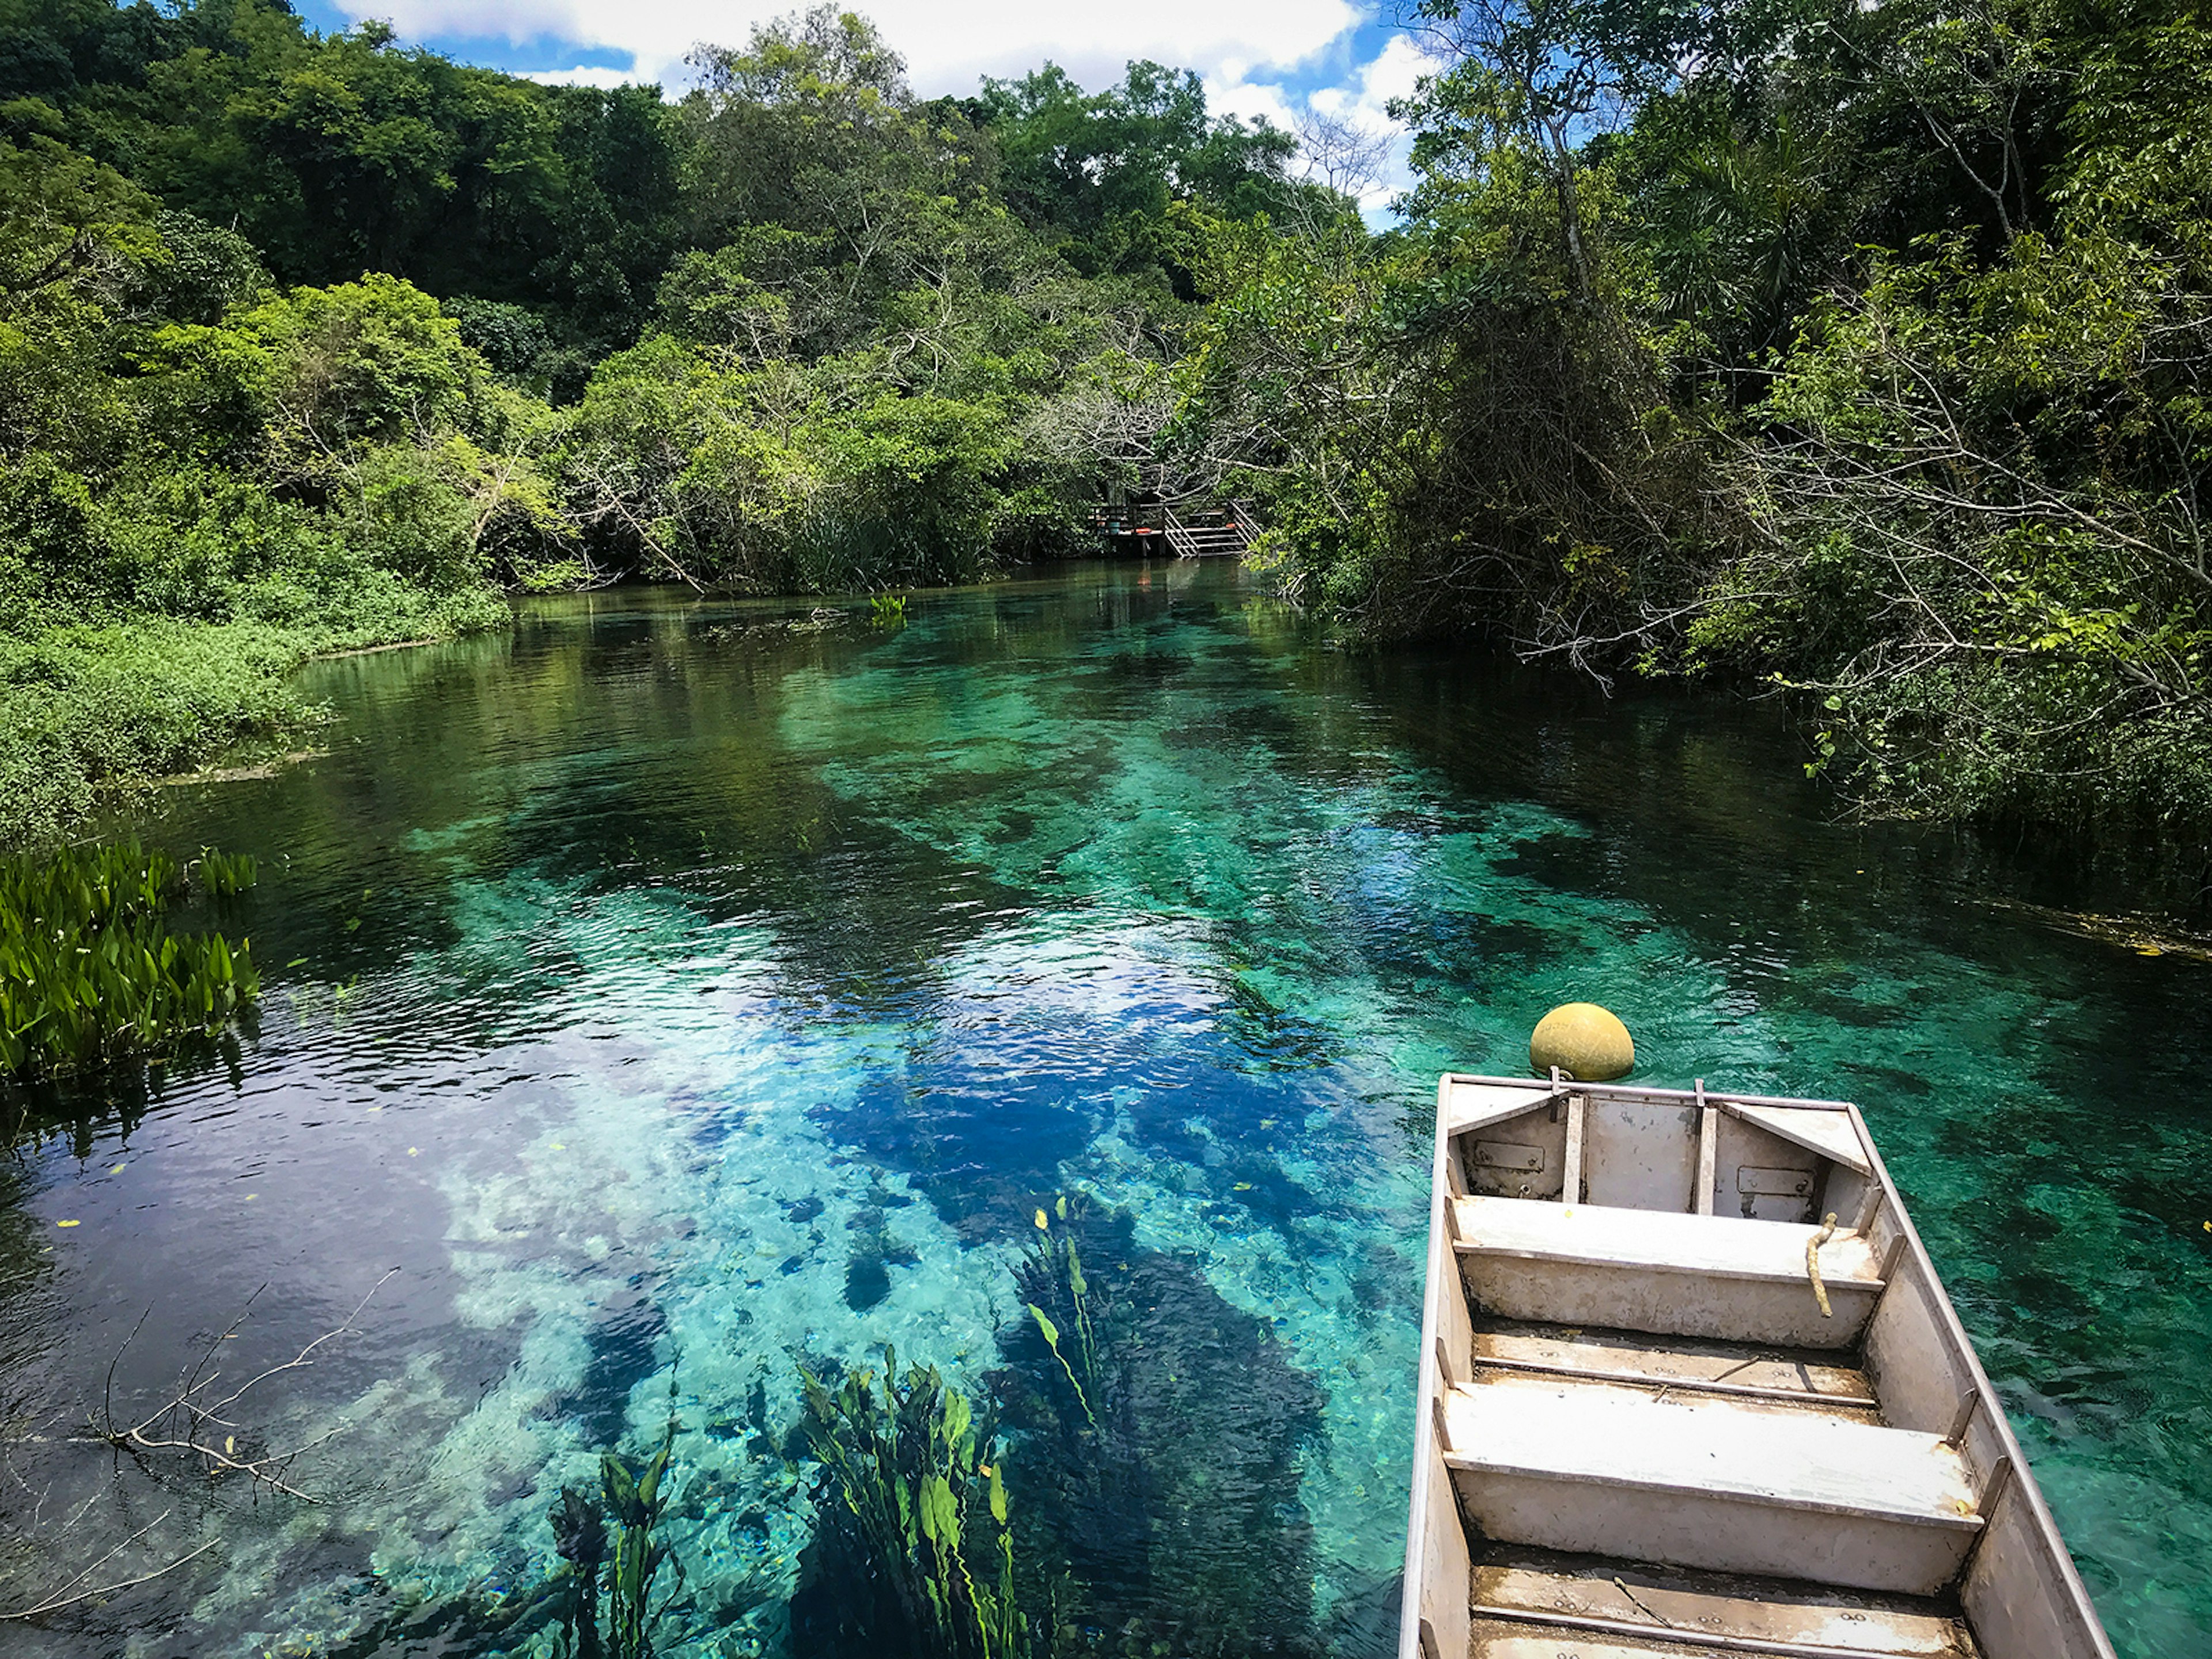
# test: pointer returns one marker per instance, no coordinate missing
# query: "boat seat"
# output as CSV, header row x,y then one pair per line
x,y
1720,1484
1536,1604
1671,1274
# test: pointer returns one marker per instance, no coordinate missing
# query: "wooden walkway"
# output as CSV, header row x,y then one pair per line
x,y
1201,530
1222,532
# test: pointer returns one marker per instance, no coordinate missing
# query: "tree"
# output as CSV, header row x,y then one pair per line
x,y
1098,171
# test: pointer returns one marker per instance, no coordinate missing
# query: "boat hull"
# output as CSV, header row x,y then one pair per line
x,y
1692,1342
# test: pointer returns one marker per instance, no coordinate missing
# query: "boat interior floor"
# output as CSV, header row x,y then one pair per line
x,y
1684,1367
1541,1604
1645,1495
1690,1386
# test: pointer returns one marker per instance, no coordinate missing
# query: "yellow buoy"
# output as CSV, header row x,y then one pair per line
x,y
1583,1041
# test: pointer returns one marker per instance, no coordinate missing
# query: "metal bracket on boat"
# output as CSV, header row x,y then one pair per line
x,y
1968,1407
1563,1091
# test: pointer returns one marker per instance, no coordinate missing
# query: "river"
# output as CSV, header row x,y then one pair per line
x,y
694,990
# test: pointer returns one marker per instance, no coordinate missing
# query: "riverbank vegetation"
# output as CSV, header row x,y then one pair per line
x,y
1855,352
90,971
310,343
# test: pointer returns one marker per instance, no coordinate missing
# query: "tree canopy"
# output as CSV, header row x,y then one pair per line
x,y
311,339
1853,351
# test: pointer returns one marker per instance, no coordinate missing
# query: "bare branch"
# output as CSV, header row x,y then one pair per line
x,y
66,1594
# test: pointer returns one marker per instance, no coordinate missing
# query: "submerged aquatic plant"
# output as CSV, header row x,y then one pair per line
x,y
634,1501
89,972
1161,1432
580,1539
905,1479
1052,1267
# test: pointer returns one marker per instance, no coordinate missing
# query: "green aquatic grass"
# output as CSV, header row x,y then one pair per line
x,y
635,1501
89,713
1053,1266
908,1477
90,972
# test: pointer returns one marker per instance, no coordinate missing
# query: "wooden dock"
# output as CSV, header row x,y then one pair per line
x,y
1190,529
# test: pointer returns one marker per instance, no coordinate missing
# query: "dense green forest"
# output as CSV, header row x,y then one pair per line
x,y
1854,353
1858,352
313,342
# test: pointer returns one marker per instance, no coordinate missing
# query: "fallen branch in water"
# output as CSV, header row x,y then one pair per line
x,y
188,1420
67,1596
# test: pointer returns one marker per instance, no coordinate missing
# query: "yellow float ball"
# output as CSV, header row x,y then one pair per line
x,y
1583,1041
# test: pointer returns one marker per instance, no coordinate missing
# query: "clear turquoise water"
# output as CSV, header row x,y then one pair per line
x,y
659,986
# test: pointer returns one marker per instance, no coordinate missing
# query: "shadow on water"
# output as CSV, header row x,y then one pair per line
x,y
625,1350
1151,1460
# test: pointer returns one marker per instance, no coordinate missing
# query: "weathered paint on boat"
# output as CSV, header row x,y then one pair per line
x,y
1690,1386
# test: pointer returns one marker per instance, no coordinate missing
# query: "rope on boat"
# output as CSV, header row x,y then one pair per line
x,y
1812,1263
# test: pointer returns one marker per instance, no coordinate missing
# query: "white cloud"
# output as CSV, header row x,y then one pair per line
x,y
947,46
604,79
1253,55
1252,101
1392,75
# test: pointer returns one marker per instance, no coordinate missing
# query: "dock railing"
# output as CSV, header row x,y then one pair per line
x,y
1228,538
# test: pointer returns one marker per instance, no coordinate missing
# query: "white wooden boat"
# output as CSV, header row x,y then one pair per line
x,y
1645,1432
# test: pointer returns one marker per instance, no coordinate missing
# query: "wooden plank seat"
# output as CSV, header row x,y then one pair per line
x,y
1511,1638
1647,1270
1720,1484
1540,1603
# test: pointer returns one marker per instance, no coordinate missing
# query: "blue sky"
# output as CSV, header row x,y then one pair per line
x,y
1274,57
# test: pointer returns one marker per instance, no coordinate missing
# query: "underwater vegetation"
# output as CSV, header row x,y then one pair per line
x,y
902,1560
1157,1433
1107,1492
636,1502
633,1501
1154,1438
90,971
624,1553
597,1604
1052,1261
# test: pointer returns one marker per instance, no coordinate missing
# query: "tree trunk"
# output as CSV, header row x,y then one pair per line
x,y
1570,218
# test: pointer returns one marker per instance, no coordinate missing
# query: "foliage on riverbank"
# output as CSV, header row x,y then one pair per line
x,y
90,972
1855,351
204,480
799,331
309,342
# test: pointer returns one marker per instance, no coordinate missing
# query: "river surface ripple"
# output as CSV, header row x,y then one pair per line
x,y
705,989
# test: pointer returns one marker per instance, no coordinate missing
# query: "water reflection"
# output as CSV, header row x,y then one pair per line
x,y
662,986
